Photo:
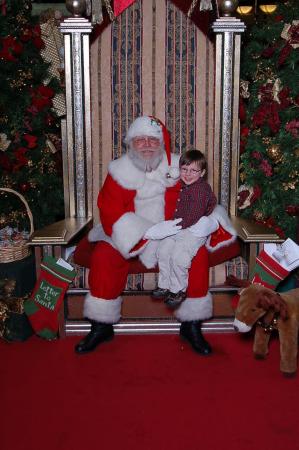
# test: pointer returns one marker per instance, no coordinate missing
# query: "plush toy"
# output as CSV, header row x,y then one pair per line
x,y
270,310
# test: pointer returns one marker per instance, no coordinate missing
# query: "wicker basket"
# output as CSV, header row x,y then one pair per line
x,y
18,251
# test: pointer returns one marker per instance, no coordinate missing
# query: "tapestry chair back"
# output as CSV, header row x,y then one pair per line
x,y
153,61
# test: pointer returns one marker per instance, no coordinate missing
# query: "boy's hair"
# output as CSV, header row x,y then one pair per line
x,y
191,156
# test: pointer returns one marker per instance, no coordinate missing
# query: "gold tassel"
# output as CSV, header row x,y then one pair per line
x,y
109,10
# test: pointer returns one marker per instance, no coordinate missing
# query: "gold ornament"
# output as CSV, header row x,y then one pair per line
x,y
25,74
290,185
3,119
294,174
21,19
2,221
17,84
242,176
266,140
296,151
21,78
244,89
258,215
4,142
51,167
264,73
274,153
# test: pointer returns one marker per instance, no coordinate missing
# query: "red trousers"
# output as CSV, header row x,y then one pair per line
x,y
109,271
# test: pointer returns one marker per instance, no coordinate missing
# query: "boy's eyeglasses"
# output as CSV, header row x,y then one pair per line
x,y
191,171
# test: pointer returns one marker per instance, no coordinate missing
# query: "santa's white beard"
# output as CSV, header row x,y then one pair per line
x,y
146,165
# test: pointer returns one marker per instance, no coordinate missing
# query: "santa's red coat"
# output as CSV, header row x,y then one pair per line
x,y
129,203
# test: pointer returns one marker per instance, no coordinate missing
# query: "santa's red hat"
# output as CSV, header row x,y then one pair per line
x,y
151,126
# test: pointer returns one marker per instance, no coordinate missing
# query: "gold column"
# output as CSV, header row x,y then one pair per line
x,y
226,132
77,170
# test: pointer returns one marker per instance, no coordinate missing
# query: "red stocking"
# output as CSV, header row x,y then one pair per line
x,y
43,307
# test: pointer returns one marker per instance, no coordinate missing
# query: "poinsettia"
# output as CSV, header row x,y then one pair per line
x,y
293,127
10,48
266,167
31,140
20,159
41,97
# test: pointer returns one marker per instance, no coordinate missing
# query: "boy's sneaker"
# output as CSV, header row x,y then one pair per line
x,y
174,300
160,293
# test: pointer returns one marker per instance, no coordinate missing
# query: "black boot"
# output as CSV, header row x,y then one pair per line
x,y
191,331
100,332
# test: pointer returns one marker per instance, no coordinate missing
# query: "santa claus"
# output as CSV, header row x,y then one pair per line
x,y
136,206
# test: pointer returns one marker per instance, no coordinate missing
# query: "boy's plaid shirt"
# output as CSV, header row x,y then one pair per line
x,y
195,200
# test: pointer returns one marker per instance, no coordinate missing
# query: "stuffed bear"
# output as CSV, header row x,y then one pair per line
x,y
270,310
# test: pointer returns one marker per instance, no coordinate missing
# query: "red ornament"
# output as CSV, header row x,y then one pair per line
x,y
38,43
49,120
284,53
268,52
242,111
292,210
24,187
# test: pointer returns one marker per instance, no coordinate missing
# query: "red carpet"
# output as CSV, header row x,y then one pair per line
x,y
147,393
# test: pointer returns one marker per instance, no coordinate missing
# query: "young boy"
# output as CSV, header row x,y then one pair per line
x,y
175,253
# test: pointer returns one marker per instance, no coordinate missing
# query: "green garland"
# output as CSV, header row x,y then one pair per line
x,y
269,115
27,121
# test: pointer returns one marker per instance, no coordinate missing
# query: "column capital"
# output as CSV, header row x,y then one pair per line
x,y
228,24
76,25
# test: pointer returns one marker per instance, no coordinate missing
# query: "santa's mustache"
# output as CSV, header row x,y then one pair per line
x,y
146,165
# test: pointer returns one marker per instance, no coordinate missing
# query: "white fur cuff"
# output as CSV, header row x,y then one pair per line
x,y
221,216
128,231
195,309
220,244
101,310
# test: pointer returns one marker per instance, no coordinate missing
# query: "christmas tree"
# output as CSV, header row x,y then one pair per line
x,y
269,115
30,147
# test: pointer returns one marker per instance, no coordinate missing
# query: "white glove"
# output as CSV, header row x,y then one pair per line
x,y
163,229
204,227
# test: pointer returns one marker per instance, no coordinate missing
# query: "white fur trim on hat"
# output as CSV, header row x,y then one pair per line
x,y
144,126
101,310
195,309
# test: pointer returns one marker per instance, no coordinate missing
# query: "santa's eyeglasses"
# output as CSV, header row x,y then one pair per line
x,y
148,141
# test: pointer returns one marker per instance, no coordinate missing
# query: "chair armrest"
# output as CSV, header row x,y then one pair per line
x,y
249,231
60,233
251,235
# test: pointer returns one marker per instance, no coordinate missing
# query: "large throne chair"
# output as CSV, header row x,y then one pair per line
x,y
150,59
